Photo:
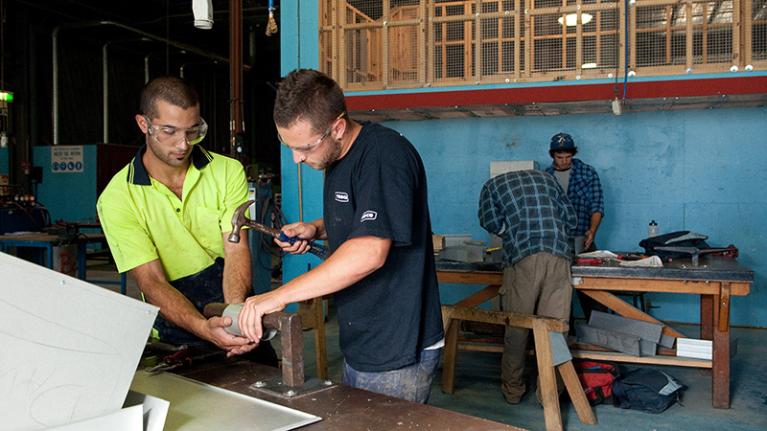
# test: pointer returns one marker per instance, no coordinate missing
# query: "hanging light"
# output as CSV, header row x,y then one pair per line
x,y
571,19
203,14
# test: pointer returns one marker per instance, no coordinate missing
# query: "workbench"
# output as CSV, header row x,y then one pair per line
x,y
340,407
716,280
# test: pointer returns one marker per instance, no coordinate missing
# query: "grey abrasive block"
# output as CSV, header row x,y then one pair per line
x,y
644,330
624,343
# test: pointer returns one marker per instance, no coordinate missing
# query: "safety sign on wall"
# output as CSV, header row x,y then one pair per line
x,y
67,159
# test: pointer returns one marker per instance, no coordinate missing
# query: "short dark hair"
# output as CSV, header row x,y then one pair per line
x,y
573,152
310,95
171,89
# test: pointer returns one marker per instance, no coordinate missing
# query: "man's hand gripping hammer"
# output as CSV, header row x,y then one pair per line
x,y
239,220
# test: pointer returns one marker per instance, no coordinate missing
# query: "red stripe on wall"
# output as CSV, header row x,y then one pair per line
x,y
564,93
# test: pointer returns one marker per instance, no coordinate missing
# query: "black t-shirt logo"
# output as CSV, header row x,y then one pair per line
x,y
368,216
342,197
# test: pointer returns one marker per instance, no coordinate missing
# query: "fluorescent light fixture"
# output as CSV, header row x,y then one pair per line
x,y
571,19
203,14
6,96
589,66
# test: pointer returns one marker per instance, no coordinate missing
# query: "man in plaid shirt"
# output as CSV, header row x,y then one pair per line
x,y
581,183
535,219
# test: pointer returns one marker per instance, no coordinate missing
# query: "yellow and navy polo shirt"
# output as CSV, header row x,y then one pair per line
x,y
144,220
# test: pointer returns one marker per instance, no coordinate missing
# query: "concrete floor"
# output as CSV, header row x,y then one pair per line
x,y
478,388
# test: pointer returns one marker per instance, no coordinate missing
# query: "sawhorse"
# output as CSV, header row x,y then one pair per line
x,y
547,332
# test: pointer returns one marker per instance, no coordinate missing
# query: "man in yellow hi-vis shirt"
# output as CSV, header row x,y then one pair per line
x,y
166,216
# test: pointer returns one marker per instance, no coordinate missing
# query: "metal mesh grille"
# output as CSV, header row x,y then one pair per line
x,y
653,35
758,30
549,43
497,24
326,37
363,59
601,48
453,40
404,30
557,45
712,32
362,43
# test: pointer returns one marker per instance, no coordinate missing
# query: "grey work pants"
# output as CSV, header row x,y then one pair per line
x,y
538,284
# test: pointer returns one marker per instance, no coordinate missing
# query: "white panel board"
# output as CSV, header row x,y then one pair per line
x,y
498,167
199,406
68,349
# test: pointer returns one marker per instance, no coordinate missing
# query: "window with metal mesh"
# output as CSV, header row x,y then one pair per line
x,y
453,40
327,38
405,39
712,32
758,33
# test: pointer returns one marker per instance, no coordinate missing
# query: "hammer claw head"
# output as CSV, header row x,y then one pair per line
x,y
239,220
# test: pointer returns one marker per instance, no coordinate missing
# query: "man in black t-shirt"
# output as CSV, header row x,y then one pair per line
x,y
376,221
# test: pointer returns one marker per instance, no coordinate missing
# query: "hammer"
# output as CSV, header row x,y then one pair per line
x,y
239,219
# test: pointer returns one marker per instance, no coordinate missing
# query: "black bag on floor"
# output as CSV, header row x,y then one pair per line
x,y
647,389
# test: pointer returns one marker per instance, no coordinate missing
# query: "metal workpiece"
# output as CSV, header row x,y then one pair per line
x,y
240,220
341,407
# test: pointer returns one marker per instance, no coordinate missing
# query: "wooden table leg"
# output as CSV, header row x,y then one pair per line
x,y
721,359
547,377
450,352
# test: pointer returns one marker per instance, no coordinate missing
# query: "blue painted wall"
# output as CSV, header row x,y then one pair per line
x,y
698,169
298,48
689,170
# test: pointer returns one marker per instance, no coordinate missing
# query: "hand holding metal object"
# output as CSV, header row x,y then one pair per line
x,y
239,220
270,321
291,337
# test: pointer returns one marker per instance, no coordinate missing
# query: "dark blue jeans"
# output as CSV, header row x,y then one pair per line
x,y
201,289
412,383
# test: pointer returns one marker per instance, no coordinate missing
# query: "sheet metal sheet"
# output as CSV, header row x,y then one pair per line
x,y
68,348
199,406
